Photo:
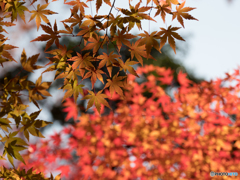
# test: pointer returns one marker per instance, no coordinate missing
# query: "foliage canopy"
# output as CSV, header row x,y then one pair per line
x,y
15,121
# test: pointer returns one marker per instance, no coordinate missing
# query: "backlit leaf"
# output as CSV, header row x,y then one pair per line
x,y
97,100
169,34
40,14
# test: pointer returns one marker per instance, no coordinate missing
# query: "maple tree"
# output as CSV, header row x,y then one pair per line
x,y
182,135
15,121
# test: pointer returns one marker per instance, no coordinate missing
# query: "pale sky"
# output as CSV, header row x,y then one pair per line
x,y
214,46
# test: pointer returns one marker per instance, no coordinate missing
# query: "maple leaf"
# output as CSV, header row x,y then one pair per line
x,y
16,8
162,10
109,60
96,99
115,84
149,40
114,96
170,2
53,36
69,30
17,112
94,74
72,88
122,38
40,14
169,34
71,109
39,91
181,12
82,62
60,65
167,77
99,4
64,170
69,73
92,22
126,66
182,79
5,23
28,64
138,51
95,44
31,124
62,51
4,54
135,16
113,22
87,171
12,147
41,87
77,5
75,19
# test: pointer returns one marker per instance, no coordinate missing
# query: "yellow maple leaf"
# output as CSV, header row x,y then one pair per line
x,y
96,99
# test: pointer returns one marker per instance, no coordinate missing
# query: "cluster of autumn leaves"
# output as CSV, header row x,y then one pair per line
x,y
185,135
107,142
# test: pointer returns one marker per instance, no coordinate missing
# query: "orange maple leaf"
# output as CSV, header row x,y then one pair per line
x,y
75,19
40,13
62,50
69,30
82,62
95,44
122,38
115,84
181,12
109,60
162,10
94,74
78,60
138,51
96,99
149,40
92,21
77,5
169,34
126,66
170,2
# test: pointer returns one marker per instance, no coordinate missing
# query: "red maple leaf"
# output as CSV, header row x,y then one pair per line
x,y
64,170
71,109
182,79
